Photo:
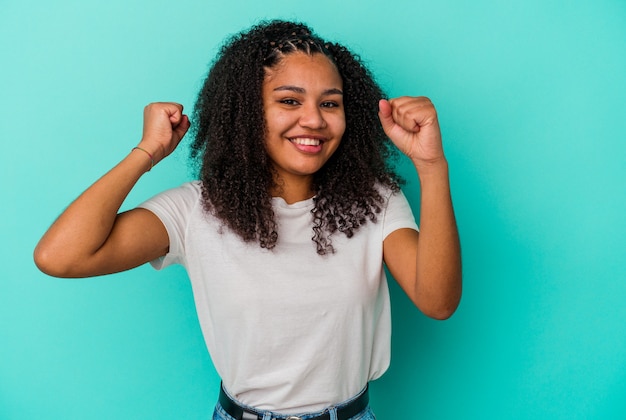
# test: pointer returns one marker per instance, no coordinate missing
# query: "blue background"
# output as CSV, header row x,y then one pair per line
x,y
532,102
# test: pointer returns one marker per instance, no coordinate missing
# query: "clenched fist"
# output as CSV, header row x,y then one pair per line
x,y
164,126
411,124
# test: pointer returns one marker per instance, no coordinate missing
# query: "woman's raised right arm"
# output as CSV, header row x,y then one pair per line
x,y
90,238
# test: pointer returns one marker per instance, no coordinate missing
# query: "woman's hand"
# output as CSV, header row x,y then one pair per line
x,y
411,124
164,126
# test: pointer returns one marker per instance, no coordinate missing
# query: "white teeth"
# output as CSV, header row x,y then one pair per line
x,y
306,141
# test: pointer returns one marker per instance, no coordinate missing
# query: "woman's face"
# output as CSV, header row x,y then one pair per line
x,y
304,114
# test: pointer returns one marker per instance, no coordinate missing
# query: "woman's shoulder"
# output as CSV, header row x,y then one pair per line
x,y
192,186
189,188
187,195
387,192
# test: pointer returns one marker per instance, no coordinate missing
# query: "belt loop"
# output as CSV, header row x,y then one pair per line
x,y
333,413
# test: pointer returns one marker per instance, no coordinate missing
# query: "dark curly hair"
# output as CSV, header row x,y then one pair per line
x,y
234,167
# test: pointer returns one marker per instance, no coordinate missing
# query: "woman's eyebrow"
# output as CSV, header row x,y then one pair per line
x,y
333,91
297,89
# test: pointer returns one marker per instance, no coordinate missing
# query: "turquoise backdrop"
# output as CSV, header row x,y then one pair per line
x,y
532,102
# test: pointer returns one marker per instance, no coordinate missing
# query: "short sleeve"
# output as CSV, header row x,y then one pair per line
x,y
174,207
398,214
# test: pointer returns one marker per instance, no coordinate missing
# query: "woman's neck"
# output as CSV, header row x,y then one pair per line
x,y
293,190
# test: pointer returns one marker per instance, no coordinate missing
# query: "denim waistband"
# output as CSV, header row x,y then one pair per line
x,y
341,411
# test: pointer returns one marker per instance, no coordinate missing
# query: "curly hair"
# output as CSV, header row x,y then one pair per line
x,y
234,168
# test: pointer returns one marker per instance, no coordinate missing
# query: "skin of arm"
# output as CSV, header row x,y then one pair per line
x,y
90,238
426,264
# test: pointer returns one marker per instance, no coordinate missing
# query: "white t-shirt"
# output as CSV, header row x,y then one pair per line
x,y
288,330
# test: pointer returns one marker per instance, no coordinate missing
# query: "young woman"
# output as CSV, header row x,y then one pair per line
x,y
286,231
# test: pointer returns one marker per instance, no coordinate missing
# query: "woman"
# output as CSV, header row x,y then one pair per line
x,y
285,234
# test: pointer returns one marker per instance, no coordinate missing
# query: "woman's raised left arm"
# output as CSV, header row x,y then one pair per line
x,y
427,265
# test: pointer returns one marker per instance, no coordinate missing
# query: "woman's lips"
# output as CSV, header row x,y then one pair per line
x,y
307,144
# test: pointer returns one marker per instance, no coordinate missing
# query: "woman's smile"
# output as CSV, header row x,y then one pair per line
x,y
308,144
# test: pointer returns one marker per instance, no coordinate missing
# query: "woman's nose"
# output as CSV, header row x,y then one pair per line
x,y
312,117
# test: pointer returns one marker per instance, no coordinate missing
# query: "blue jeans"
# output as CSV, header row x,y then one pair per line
x,y
366,414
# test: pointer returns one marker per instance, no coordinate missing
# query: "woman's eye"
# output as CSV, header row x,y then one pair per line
x,y
329,104
289,101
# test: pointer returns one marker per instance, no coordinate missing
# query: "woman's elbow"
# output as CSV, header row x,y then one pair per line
x,y
441,307
49,263
440,314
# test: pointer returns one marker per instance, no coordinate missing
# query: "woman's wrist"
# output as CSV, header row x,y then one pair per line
x,y
435,170
150,155
142,157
